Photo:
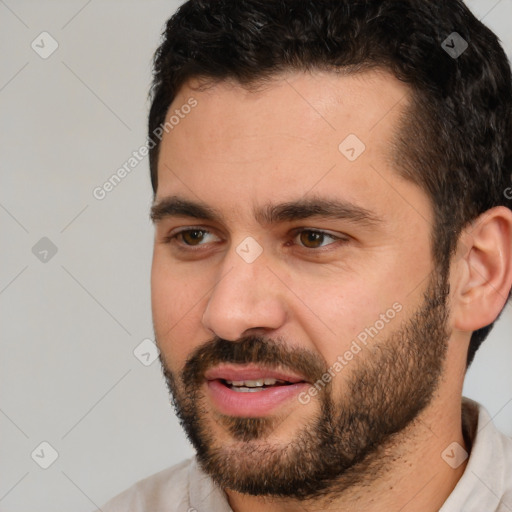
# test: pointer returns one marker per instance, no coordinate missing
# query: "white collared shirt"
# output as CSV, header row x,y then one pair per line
x,y
485,486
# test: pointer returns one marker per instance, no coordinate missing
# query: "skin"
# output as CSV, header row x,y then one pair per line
x,y
239,150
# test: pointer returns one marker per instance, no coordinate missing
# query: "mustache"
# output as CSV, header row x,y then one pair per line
x,y
272,354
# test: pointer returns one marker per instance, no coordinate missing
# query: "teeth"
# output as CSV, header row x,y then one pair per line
x,y
253,383
246,390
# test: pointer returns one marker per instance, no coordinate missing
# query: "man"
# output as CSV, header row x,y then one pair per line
x,y
333,243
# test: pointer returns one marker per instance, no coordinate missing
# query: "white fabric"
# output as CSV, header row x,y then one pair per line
x,y
485,486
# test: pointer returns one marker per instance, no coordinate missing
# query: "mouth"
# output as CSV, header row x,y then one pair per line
x,y
251,386
251,391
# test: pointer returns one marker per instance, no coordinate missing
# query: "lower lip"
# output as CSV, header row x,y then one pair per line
x,y
251,404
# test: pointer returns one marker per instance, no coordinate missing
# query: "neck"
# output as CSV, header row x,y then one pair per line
x,y
407,474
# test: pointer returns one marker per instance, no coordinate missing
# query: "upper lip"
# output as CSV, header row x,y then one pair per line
x,y
233,372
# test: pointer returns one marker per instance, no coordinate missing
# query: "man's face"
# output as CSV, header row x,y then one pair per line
x,y
253,312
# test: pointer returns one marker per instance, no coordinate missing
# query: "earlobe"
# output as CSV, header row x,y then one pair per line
x,y
485,271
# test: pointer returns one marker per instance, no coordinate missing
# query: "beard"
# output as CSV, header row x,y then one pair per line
x,y
390,382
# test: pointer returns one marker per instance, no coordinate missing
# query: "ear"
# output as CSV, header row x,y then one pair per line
x,y
484,271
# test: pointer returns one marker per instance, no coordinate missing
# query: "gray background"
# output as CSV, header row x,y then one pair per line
x,y
70,323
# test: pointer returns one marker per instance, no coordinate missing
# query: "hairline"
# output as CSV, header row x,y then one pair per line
x,y
204,82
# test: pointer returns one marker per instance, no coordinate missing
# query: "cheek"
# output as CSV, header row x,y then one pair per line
x,y
176,308
352,307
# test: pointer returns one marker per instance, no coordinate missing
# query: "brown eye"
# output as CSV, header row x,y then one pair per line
x,y
192,236
314,239
191,239
311,239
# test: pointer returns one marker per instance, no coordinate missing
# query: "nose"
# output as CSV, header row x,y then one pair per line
x,y
247,296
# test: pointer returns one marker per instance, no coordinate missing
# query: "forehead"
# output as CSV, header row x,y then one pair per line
x,y
357,101
299,132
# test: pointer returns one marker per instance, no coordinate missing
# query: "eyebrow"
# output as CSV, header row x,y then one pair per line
x,y
269,214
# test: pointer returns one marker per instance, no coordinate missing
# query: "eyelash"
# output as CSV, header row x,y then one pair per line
x,y
189,248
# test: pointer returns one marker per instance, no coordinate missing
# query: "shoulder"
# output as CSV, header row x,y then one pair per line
x,y
489,471
486,483
166,490
504,458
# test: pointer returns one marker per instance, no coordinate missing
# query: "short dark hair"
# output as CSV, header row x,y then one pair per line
x,y
455,139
